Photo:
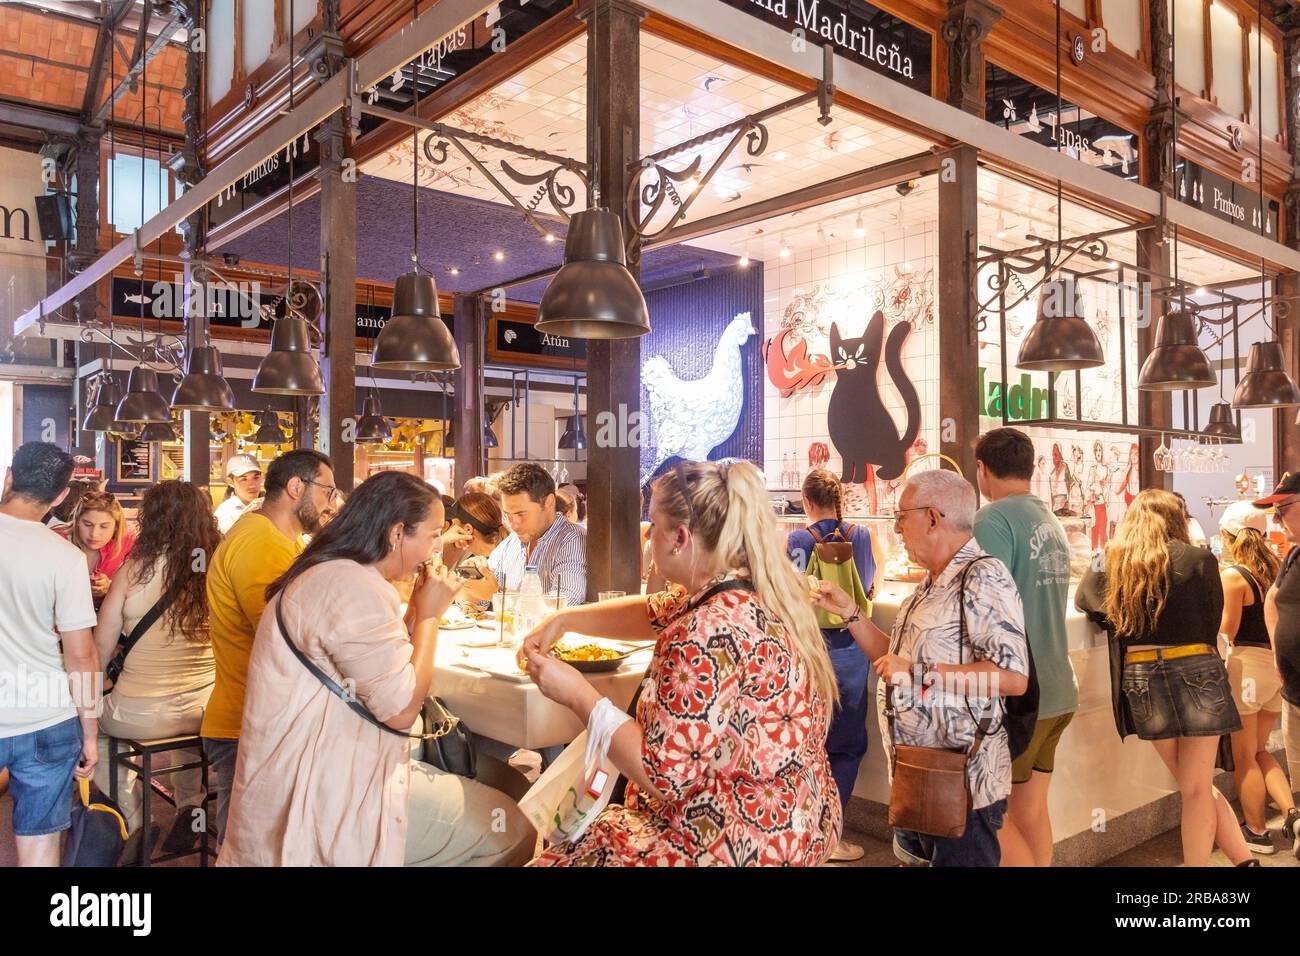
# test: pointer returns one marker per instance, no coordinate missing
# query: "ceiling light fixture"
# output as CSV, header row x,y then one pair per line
x,y
859,226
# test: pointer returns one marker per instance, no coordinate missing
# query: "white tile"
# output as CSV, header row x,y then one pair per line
x,y
819,268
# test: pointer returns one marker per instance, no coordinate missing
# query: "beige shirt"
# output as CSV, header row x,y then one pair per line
x,y
316,784
164,662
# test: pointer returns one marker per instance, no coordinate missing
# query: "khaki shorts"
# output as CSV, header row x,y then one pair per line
x,y
1040,755
1252,675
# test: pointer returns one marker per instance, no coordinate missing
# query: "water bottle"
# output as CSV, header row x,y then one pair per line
x,y
528,612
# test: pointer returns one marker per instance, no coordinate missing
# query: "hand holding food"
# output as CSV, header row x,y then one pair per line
x,y
435,589
99,584
542,638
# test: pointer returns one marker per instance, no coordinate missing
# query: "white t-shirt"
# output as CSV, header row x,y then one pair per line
x,y
228,512
44,588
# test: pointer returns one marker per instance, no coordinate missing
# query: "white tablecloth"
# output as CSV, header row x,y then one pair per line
x,y
514,712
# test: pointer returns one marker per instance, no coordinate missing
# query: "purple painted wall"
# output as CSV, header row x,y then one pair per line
x,y
687,321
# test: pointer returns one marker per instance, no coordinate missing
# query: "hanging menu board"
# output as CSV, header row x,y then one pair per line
x,y
1234,202
858,31
519,343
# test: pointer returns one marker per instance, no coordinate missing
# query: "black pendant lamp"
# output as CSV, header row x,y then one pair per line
x,y
158,432
1176,362
1266,383
269,431
143,402
1222,423
103,410
1060,343
204,387
489,436
415,339
290,368
574,438
593,296
373,427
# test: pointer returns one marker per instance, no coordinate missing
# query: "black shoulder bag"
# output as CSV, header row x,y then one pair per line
x,y
114,669
447,743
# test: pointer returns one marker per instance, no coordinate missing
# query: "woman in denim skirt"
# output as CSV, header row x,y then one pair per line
x,y
1160,600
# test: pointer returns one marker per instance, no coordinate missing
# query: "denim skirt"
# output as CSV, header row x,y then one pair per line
x,y
1185,697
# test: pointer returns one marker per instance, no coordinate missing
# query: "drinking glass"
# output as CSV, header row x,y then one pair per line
x,y
604,596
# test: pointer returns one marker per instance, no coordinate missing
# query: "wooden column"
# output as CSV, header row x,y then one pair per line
x,y
964,28
958,342
614,376
338,254
1286,434
470,324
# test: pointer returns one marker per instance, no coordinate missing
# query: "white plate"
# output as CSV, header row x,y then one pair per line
x,y
456,626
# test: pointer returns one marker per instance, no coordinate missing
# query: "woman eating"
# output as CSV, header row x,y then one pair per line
x,y
99,530
319,784
726,758
475,530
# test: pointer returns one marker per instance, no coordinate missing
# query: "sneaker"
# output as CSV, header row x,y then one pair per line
x,y
181,838
1250,863
1258,842
1291,828
846,852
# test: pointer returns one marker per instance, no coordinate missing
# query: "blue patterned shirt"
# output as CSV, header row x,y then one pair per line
x,y
561,550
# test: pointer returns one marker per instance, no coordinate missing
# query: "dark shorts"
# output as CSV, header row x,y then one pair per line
x,y
1186,697
1040,755
978,846
40,768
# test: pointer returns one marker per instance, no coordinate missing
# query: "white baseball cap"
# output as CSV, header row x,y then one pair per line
x,y
241,465
1241,515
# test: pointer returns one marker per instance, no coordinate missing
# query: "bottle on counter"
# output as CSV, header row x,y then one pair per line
x,y
528,611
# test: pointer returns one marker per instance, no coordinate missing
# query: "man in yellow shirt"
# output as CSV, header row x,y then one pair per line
x,y
258,549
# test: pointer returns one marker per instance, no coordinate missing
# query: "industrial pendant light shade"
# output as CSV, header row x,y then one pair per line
x,y
1266,383
103,411
1059,342
593,296
143,402
489,436
204,387
269,431
289,368
1222,423
158,431
372,428
1176,362
574,438
415,339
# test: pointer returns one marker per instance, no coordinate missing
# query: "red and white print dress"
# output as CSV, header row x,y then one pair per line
x,y
735,741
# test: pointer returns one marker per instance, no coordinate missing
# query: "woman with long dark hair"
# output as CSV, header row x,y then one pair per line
x,y
318,783
157,604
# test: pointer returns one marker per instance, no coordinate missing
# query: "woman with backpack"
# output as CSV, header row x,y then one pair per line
x,y
831,549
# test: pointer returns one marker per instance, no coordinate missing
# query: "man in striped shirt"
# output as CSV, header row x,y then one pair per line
x,y
539,536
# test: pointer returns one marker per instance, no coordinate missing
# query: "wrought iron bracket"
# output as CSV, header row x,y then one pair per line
x,y
753,129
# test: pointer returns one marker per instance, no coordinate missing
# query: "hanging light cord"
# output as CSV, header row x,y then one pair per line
x,y
293,152
1259,133
144,123
1059,109
415,153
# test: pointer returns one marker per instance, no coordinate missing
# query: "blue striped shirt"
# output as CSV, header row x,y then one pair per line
x,y
561,552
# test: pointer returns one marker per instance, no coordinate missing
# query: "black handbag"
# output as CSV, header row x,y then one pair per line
x,y
114,669
447,744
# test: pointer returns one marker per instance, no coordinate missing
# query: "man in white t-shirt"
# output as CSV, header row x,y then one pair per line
x,y
50,672
244,476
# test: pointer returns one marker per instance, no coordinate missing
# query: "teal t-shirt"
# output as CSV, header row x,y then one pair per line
x,y
1028,538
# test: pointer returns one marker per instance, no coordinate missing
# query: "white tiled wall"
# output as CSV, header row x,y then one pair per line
x,y
847,281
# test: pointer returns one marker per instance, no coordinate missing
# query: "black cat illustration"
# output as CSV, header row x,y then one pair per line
x,y
860,426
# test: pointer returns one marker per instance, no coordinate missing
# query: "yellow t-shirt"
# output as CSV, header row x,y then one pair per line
x,y
252,555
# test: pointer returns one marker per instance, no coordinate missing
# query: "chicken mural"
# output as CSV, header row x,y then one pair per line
x,y
688,419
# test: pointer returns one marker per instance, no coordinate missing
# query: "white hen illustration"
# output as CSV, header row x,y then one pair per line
x,y
689,419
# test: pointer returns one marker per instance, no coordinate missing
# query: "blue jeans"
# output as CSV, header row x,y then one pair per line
x,y
221,756
846,741
40,767
978,846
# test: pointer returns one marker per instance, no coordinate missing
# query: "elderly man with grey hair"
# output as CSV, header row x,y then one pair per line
x,y
946,691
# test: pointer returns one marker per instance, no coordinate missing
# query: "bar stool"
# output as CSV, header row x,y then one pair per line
x,y
138,755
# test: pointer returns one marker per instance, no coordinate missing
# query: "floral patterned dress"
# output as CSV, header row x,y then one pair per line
x,y
734,739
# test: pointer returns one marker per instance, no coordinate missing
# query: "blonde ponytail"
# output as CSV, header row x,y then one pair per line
x,y
728,512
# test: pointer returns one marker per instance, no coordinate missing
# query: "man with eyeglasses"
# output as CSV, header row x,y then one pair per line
x,y
244,486
944,687
259,549
1282,617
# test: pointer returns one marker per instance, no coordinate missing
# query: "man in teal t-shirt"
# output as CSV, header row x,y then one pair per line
x,y
1021,530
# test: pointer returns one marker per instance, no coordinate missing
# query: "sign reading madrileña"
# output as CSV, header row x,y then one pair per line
x,y
878,40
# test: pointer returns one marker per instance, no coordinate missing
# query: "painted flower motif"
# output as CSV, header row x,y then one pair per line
x,y
787,720
785,849
687,753
769,670
688,680
767,804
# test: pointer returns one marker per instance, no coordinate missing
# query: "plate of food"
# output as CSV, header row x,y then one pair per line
x,y
591,658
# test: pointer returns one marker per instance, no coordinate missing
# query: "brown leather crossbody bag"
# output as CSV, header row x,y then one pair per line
x,y
930,792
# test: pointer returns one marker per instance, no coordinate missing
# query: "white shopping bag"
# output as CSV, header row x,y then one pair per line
x,y
569,794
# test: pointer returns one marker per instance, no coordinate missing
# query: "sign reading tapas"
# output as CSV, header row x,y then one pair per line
x,y
859,31
1028,110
